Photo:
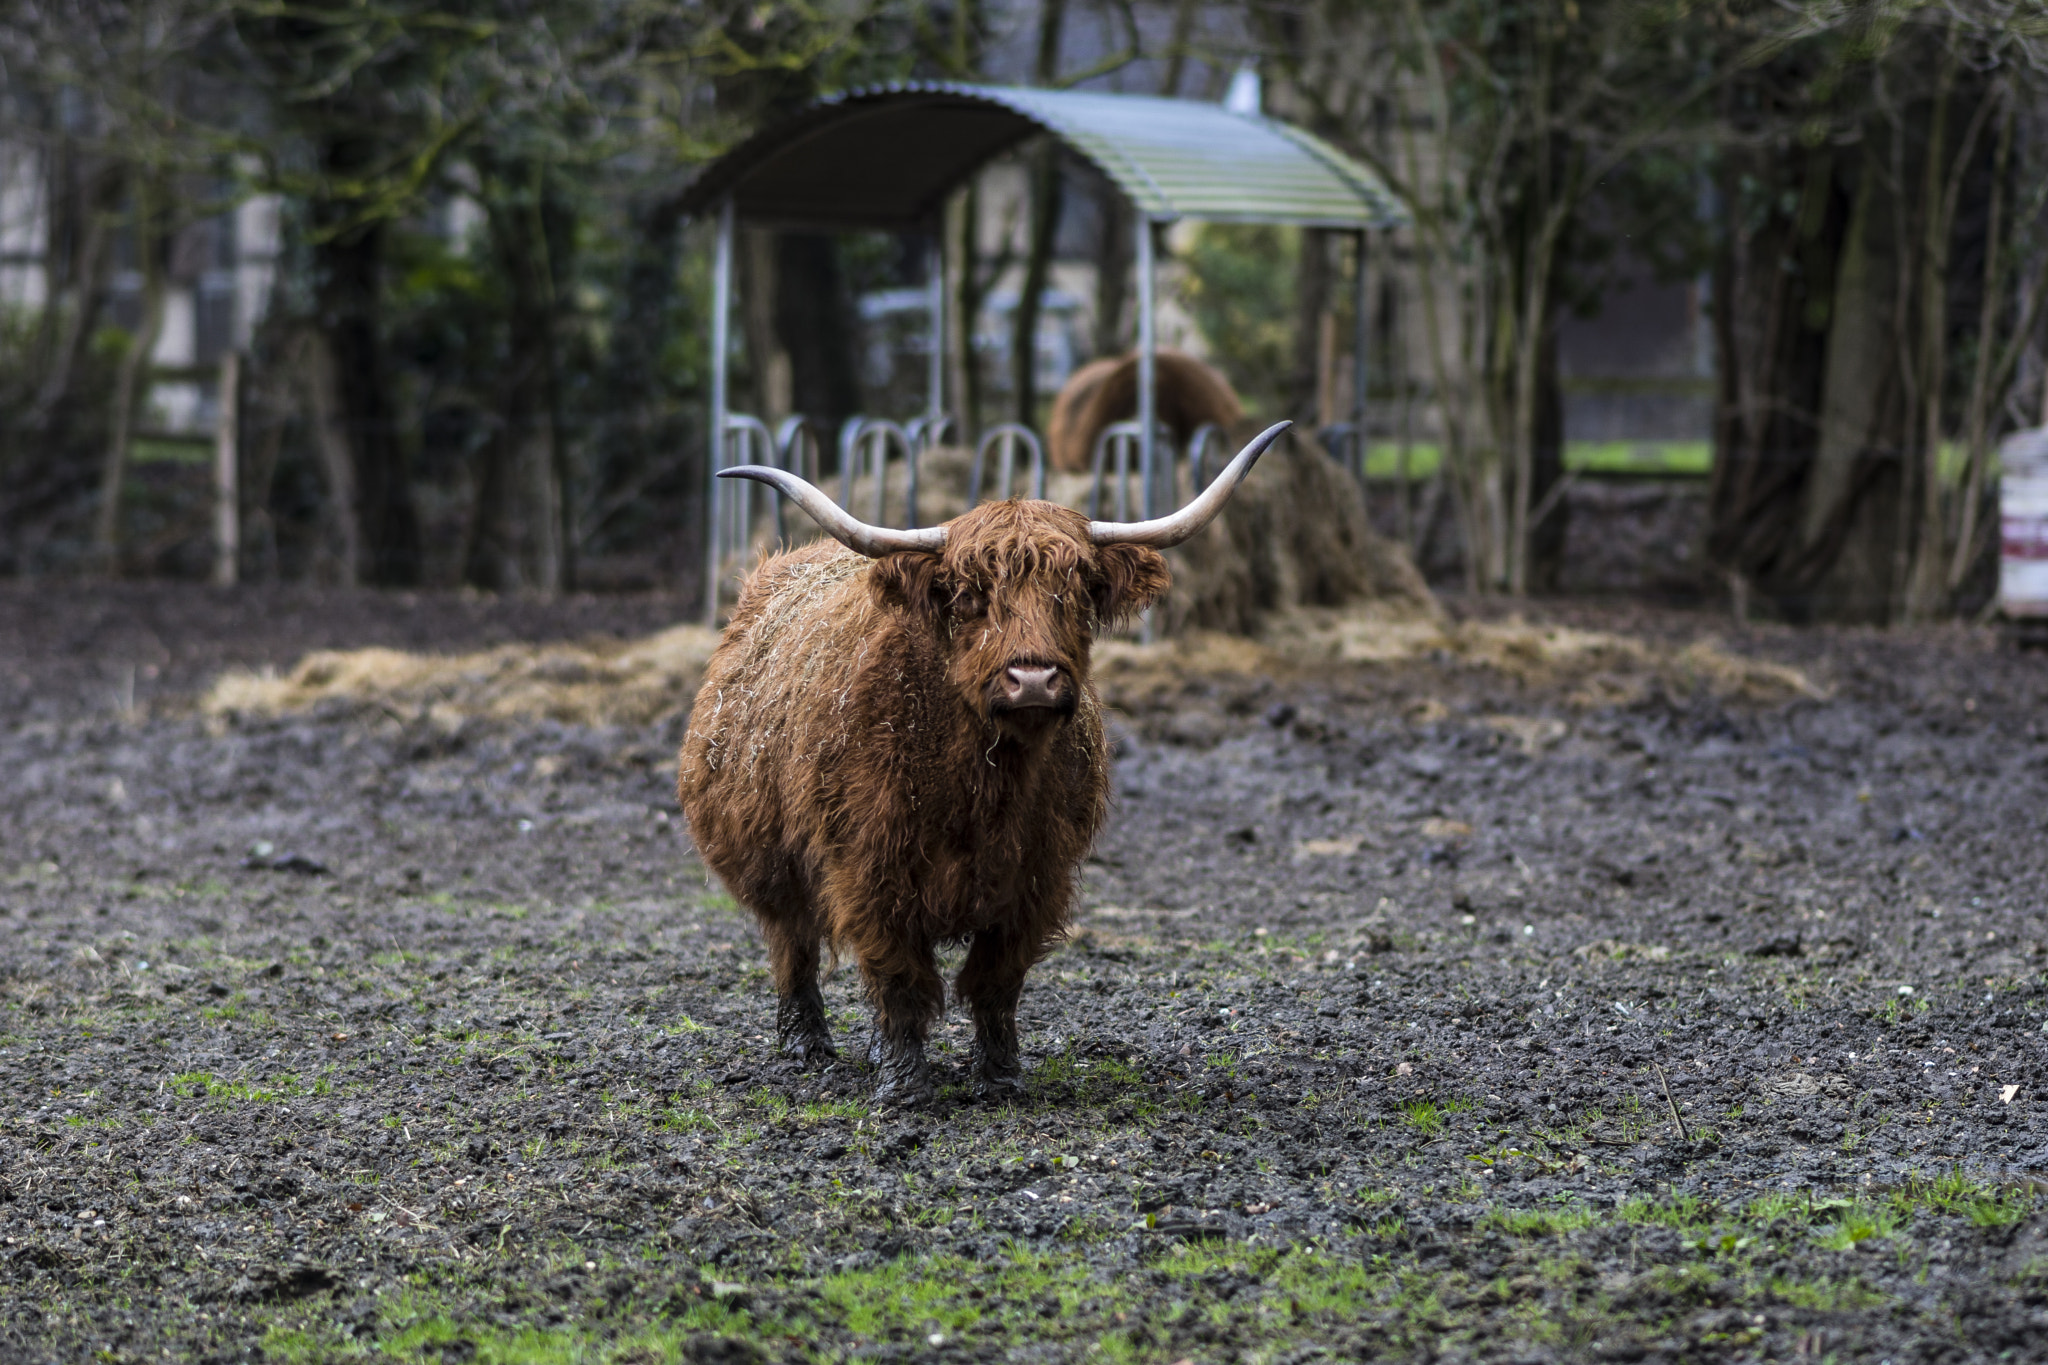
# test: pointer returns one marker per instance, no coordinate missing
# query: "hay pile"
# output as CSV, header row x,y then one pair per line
x,y
1591,668
598,682
612,682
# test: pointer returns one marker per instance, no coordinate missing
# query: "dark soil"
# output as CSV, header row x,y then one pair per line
x,y
1620,536
346,1036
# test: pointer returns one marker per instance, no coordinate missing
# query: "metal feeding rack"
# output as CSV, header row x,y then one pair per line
x,y
887,158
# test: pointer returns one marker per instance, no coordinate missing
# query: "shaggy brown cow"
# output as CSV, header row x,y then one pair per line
x,y
1187,395
897,746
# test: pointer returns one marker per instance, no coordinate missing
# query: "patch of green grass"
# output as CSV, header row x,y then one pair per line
x,y
1423,1116
1722,1242
1849,1224
285,1087
1952,1192
1685,1212
819,1110
1098,1080
412,1333
1551,1222
1666,458
1779,1204
682,1118
770,1104
1828,1295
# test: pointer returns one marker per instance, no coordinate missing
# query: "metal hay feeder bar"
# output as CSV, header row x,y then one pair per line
x,y
886,158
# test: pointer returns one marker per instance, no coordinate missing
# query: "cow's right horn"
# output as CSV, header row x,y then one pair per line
x,y
1162,532
841,525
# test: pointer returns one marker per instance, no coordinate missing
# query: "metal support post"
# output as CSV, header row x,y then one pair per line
x,y
721,308
1148,365
1360,329
227,496
1148,375
935,291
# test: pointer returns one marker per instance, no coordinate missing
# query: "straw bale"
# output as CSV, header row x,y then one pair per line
x,y
597,682
1591,668
613,682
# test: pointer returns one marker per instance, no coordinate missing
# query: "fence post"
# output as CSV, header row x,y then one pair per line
x,y
227,477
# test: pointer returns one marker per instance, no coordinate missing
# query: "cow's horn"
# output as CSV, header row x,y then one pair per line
x,y
842,526
1162,532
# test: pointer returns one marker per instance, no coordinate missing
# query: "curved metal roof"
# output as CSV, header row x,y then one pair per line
x,y
887,156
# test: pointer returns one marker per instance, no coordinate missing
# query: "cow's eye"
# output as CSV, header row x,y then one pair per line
x,y
968,605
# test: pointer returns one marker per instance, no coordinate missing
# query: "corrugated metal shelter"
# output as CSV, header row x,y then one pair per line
x,y
888,157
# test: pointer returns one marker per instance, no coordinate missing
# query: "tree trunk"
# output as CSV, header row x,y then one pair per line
x,y
642,439
969,288
1552,526
349,268
760,291
1184,14
1984,375
1785,217
337,456
1849,513
1314,283
131,383
85,288
815,323
523,466
1045,217
1114,250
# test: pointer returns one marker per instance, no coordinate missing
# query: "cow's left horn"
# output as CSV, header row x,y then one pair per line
x,y
841,525
1162,532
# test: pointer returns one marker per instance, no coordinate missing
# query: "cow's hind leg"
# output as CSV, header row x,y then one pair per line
x,y
991,981
907,995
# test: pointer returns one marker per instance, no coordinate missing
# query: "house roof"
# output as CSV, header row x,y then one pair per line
x,y
887,156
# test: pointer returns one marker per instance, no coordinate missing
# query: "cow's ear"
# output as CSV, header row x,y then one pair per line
x,y
1129,578
908,580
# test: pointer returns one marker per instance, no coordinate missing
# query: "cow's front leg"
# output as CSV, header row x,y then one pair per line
x,y
907,995
991,981
800,1027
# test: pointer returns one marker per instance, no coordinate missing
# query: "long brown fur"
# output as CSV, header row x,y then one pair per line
x,y
847,775
1188,392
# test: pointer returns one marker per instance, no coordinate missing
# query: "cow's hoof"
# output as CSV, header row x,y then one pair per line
x,y
905,1094
1000,1088
906,1079
810,1049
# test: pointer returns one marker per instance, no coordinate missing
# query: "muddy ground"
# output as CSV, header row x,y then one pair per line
x,y
353,1035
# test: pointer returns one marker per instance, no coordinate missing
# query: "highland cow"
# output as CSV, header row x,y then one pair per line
x,y
1187,395
898,746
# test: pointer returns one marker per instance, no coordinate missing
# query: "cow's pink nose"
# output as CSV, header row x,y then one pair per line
x,y
1031,686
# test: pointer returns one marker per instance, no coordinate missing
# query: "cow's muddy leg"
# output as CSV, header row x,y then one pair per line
x,y
907,996
800,1026
990,981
